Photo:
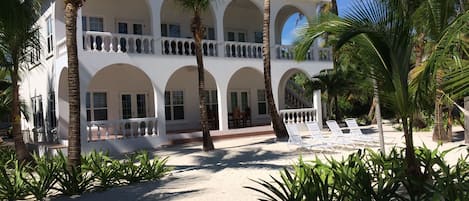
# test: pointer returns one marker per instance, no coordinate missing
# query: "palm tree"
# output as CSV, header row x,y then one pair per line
x,y
74,140
198,6
279,127
18,36
386,27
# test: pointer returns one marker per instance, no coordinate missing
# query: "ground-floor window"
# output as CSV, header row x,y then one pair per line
x,y
174,105
261,102
38,112
211,102
96,106
51,111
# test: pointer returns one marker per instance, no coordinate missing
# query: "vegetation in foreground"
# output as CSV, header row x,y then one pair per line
x,y
98,172
368,175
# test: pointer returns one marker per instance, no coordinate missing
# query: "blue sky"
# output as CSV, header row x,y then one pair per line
x,y
289,30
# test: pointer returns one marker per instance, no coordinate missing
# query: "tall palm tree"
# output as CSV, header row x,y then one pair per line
x,y
279,127
197,7
18,36
385,26
74,140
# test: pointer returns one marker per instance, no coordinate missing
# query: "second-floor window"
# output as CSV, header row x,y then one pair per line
x,y
51,110
209,33
92,23
171,30
49,35
236,36
258,37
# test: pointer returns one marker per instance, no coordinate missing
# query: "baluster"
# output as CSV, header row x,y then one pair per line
x,y
107,132
119,46
99,132
147,127
132,134
155,123
95,46
90,132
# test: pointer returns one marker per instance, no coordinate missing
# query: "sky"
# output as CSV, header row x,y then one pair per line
x,y
289,30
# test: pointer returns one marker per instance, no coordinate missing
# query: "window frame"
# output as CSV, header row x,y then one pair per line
x,y
90,105
260,101
50,35
173,105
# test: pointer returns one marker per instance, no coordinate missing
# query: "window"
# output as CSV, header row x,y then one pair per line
x,y
50,35
84,23
96,24
258,37
211,102
96,106
170,30
241,37
122,28
236,36
231,36
138,29
261,102
209,33
174,105
51,108
38,114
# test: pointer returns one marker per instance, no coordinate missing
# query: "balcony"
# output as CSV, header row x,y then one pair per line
x,y
142,44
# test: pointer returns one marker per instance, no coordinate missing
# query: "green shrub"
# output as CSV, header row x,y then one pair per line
x,y
105,170
74,181
368,175
7,154
152,169
12,185
42,176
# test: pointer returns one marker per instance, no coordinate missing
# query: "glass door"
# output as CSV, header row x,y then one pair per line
x,y
134,105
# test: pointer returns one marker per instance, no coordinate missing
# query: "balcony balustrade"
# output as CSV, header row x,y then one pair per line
x,y
122,129
141,44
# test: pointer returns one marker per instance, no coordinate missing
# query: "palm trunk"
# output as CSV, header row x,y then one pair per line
x,y
198,33
279,127
22,153
379,121
411,161
74,141
439,131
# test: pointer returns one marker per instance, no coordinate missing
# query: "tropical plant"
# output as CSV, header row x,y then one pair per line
x,y
277,123
130,171
369,175
74,140
12,184
71,180
41,176
18,36
104,169
152,169
386,27
197,7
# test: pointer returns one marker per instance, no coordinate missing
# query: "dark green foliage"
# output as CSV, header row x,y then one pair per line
x,y
12,185
105,170
138,167
72,181
41,177
369,175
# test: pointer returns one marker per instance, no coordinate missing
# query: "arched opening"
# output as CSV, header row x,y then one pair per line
x,y
242,23
131,20
182,100
247,103
119,91
291,92
176,28
287,23
63,108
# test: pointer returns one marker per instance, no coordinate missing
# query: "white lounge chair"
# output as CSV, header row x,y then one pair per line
x,y
294,138
356,132
337,133
318,138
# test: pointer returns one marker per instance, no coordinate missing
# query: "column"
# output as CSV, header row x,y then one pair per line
x,y
155,6
160,111
222,96
318,106
220,31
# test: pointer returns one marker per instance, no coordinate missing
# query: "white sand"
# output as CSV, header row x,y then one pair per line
x,y
221,175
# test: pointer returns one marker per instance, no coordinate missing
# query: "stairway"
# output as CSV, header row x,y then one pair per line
x,y
295,96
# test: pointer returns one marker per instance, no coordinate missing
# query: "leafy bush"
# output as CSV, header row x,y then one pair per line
x,y
42,176
368,175
152,169
12,185
6,154
73,181
104,169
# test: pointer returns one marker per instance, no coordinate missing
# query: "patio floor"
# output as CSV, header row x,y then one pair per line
x,y
221,174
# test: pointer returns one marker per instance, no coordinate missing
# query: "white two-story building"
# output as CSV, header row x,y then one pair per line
x,y
138,74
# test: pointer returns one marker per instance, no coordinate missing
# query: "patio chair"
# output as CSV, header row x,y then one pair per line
x,y
318,137
357,132
294,138
337,133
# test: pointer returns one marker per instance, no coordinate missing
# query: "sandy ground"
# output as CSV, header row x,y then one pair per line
x,y
222,174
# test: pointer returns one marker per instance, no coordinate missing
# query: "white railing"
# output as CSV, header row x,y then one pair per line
x,y
304,115
243,50
287,52
121,129
119,43
186,47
